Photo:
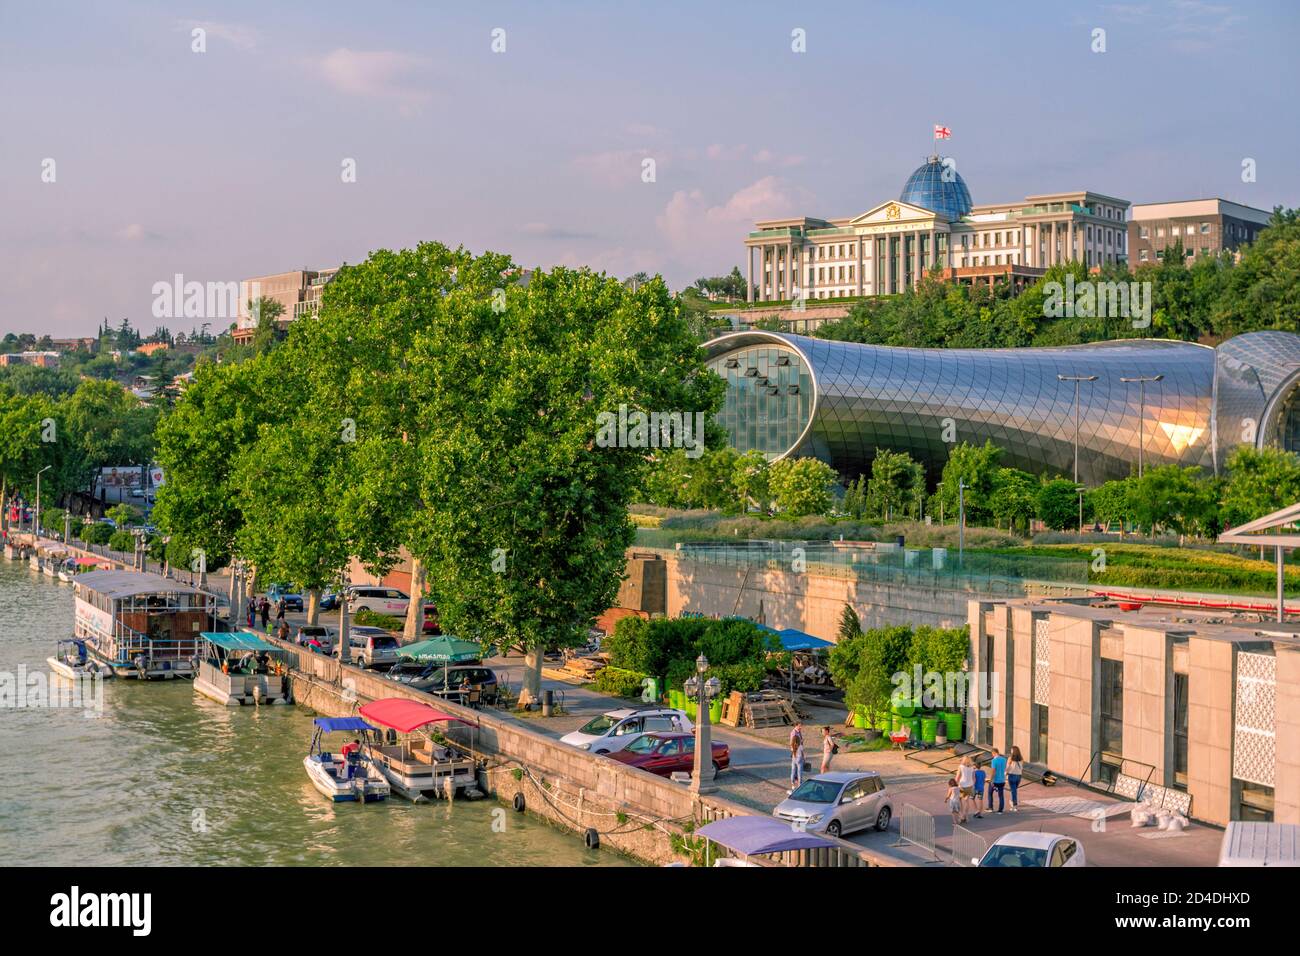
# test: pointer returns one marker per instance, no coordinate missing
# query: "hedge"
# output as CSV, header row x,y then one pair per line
x,y
388,622
620,682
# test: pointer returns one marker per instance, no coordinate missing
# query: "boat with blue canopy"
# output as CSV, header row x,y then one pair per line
x,y
349,775
239,667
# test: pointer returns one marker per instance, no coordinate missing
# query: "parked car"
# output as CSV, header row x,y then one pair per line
x,y
317,637
381,600
329,599
292,596
1030,848
615,729
428,676
430,624
668,753
373,646
838,803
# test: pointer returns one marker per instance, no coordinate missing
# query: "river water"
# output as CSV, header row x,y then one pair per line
x,y
163,776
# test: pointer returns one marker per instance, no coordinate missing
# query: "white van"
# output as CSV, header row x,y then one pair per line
x,y
379,599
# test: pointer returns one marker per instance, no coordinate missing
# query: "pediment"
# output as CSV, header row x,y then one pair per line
x,y
897,211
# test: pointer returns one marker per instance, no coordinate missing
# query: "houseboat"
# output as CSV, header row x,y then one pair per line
x,y
413,763
349,775
142,625
240,667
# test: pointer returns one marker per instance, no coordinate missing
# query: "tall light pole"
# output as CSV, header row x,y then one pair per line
x,y
36,528
961,521
697,686
1076,379
1142,412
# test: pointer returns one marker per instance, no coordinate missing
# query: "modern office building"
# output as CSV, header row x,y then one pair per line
x,y
790,395
932,222
1205,227
299,292
1198,710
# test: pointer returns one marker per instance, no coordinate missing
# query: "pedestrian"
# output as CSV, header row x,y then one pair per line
x,y
953,800
980,777
796,757
252,611
999,767
829,748
264,606
280,607
965,783
1015,770
282,632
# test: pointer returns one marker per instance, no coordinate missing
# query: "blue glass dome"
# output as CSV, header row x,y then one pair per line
x,y
938,188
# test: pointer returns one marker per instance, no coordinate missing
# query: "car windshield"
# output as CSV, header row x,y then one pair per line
x,y
599,725
644,745
817,791
1014,856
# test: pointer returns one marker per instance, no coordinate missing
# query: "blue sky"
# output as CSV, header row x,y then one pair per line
x,y
226,164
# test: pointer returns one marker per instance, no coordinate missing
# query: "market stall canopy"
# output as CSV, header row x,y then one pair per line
x,y
403,715
342,723
751,835
793,639
446,650
238,641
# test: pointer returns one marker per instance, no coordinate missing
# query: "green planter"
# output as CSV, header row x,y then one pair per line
x,y
928,727
676,699
715,712
895,722
953,720
692,709
859,721
905,708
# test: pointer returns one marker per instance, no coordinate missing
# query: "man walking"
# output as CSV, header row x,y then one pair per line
x,y
264,606
998,765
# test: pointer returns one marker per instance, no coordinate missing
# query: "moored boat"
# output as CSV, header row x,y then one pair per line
x,y
349,775
240,667
142,625
413,763
71,660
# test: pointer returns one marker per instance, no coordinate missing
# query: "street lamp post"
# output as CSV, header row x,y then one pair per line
x,y
36,524
1076,379
1142,412
961,521
701,689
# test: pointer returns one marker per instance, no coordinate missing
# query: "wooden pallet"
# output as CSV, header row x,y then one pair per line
x,y
758,710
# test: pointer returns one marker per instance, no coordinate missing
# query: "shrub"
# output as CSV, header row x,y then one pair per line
x,y
620,682
96,532
122,541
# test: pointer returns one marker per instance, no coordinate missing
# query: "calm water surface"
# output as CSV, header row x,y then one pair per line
x,y
166,777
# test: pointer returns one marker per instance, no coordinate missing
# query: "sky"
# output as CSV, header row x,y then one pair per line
x,y
230,163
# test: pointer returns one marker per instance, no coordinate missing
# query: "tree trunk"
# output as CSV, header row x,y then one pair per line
x,y
234,595
531,692
313,605
415,610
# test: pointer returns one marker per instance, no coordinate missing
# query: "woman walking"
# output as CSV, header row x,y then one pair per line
x,y
965,784
828,748
796,758
1015,769
953,799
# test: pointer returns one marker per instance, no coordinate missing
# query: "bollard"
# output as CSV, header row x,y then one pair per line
x,y
548,702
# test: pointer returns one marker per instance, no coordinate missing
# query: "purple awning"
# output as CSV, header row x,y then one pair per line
x,y
750,835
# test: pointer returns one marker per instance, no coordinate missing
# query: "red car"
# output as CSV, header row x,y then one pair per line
x,y
666,754
430,623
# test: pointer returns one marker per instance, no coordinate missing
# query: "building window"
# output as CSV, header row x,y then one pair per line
x,y
1180,731
1038,742
1254,802
1205,250
1160,232
1205,228
1111,686
1144,232
1142,256
1160,254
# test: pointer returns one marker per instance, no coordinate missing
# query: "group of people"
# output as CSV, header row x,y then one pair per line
x,y
971,791
262,607
829,749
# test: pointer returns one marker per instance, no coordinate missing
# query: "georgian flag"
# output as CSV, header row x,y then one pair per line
x,y
942,132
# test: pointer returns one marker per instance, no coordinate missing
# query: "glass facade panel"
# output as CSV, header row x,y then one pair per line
x,y
769,398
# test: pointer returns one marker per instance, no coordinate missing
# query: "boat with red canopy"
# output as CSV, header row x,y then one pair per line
x,y
415,765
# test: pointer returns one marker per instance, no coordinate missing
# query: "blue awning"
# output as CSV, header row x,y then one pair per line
x,y
750,835
793,639
342,723
238,641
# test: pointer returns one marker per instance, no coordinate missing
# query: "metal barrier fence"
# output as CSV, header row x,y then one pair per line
x,y
916,827
967,847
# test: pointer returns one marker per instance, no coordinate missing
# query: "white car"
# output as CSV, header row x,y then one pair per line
x,y
615,729
1032,849
381,600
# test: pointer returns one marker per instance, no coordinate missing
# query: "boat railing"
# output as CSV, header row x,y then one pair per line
x,y
128,642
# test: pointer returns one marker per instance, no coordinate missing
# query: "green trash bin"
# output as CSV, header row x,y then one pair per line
x,y
860,721
715,711
928,727
915,724
953,719
895,722
692,709
905,708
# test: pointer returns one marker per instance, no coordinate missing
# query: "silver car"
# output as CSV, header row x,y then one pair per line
x,y
838,803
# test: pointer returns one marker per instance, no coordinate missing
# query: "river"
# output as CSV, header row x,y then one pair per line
x,y
161,776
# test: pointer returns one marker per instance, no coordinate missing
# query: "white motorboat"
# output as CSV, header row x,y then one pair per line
x,y
349,775
71,660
